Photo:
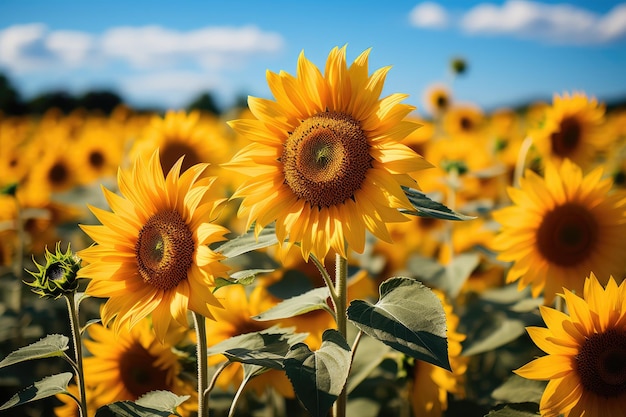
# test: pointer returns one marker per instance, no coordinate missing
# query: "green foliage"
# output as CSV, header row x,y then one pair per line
x,y
47,387
448,278
152,404
425,207
393,320
516,410
245,277
315,299
319,377
248,242
53,345
518,389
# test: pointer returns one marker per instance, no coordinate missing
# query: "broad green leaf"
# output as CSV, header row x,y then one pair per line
x,y
52,345
425,207
245,277
516,410
408,317
314,299
130,409
319,377
505,330
248,242
449,278
162,400
47,387
518,389
266,348
368,356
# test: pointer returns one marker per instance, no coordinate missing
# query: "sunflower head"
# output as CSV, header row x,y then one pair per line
x,y
58,275
326,160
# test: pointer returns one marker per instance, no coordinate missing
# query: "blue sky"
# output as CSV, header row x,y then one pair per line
x,y
164,53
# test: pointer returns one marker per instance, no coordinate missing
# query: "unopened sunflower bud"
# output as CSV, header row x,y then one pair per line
x,y
458,66
57,276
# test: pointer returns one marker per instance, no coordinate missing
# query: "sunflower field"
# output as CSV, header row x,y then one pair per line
x,y
327,251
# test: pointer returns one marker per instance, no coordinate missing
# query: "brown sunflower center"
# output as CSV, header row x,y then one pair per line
x,y
326,159
173,151
601,363
164,250
139,372
567,234
565,141
96,159
466,124
441,102
58,174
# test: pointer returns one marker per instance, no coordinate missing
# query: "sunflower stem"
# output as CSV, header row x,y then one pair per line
x,y
341,286
202,358
327,279
78,351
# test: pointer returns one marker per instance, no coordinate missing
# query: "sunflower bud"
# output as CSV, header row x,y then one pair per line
x,y
458,66
57,276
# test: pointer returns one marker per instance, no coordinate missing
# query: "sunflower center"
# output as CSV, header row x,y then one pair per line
x,y
566,139
601,363
466,124
172,152
326,159
55,271
139,372
96,159
441,102
567,234
58,174
164,250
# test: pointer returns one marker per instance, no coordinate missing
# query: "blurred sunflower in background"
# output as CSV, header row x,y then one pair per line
x,y
326,162
128,364
585,349
572,129
464,120
437,99
152,254
560,226
98,152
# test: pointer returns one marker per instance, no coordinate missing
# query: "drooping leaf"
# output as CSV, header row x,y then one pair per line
x,y
516,410
245,277
314,299
449,278
47,387
505,330
248,242
266,348
53,345
130,409
518,389
425,207
162,400
319,377
407,317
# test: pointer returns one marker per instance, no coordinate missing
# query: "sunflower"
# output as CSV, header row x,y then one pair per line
x,y
98,152
437,99
432,384
560,226
196,137
126,365
585,363
463,120
152,254
236,319
572,129
326,162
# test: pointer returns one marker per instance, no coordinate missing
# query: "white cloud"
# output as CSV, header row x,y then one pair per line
x,y
550,23
429,15
35,47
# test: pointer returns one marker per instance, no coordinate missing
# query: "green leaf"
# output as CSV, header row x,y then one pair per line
x,y
248,242
245,277
52,345
319,377
518,389
449,278
266,348
505,330
47,387
314,299
152,404
425,207
408,317
516,410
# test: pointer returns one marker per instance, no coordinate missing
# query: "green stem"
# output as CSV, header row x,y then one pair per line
x,y
327,279
202,358
521,161
341,288
78,352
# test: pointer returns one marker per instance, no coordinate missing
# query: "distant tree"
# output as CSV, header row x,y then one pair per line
x,y
102,100
10,101
205,102
61,100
